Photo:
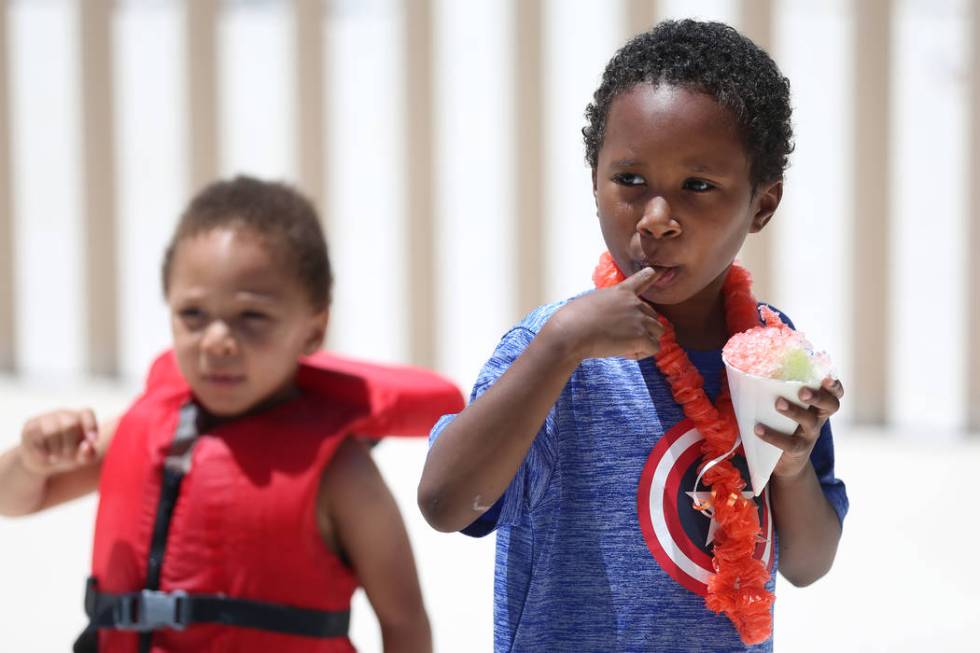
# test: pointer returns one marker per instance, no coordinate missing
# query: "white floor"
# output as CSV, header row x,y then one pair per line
x,y
905,578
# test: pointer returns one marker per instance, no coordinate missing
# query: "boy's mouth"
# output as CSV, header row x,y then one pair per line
x,y
665,275
223,379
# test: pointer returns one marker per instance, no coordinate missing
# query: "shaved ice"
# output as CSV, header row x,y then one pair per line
x,y
775,351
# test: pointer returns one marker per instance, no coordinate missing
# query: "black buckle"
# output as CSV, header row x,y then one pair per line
x,y
150,610
91,596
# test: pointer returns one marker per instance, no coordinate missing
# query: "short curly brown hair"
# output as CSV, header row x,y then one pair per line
x,y
712,58
274,211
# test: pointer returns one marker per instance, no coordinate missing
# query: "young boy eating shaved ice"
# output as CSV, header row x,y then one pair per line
x,y
600,443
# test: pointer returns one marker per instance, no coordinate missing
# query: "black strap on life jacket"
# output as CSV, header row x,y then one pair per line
x,y
176,464
151,609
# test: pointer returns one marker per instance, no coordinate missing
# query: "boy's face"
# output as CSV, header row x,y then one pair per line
x,y
240,320
672,190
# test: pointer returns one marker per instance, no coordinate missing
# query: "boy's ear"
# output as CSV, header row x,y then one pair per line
x,y
764,205
318,331
595,187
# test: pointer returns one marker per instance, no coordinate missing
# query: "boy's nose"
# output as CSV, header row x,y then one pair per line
x,y
657,220
217,340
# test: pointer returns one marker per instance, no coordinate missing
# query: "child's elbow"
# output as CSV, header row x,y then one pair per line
x,y
804,577
803,567
434,507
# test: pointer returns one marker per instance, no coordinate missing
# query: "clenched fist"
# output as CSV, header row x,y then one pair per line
x,y
59,441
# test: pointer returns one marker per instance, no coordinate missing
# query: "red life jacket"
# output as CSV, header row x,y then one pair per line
x,y
244,522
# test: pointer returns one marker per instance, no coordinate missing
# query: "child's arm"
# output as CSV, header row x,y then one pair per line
x,y
358,516
59,458
808,526
474,459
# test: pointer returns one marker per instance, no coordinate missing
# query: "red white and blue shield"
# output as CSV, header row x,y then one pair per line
x,y
680,537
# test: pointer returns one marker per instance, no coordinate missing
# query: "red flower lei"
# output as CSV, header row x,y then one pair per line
x,y
738,587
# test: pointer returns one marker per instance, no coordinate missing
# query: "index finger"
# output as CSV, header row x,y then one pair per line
x,y
641,280
90,427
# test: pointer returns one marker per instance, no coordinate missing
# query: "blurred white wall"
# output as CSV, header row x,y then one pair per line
x,y
151,151
366,181
474,147
43,77
474,57
930,171
475,187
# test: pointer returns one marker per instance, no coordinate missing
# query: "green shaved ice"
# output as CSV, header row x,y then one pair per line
x,y
797,367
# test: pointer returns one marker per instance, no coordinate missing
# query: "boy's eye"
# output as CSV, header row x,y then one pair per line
x,y
192,317
629,179
254,321
254,317
697,185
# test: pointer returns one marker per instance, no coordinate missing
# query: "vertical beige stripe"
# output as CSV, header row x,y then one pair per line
x,y
98,185
640,16
973,226
7,332
420,180
202,28
755,21
872,118
311,110
309,17
529,152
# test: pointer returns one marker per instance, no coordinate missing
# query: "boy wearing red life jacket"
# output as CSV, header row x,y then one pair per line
x,y
236,513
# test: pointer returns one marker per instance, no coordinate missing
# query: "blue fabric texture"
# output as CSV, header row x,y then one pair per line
x,y
574,568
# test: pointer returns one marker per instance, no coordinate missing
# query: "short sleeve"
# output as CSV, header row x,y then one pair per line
x,y
822,459
531,480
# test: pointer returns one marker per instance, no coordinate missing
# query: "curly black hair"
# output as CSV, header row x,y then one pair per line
x,y
275,212
712,58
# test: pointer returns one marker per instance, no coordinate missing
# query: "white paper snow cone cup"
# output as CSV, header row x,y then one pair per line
x,y
754,401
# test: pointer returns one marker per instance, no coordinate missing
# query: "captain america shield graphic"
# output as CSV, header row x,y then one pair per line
x,y
680,537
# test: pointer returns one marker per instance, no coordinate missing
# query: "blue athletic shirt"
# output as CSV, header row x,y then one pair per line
x,y
598,547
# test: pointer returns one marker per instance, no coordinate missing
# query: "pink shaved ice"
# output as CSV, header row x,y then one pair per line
x,y
775,351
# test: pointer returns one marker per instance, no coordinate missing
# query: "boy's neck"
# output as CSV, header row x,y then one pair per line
x,y
208,420
700,321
